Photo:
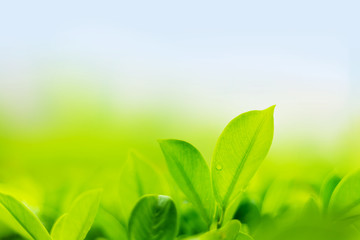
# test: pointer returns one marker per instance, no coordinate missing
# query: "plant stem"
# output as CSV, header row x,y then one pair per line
x,y
221,218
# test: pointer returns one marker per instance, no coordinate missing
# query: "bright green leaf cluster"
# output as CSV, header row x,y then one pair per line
x,y
239,152
207,202
73,225
240,149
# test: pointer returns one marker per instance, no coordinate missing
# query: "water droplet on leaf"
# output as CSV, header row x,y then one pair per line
x,y
218,167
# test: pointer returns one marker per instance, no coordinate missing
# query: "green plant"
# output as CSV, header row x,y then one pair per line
x,y
197,201
240,149
72,225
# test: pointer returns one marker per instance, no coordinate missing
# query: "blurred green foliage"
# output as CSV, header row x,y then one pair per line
x,y
47,162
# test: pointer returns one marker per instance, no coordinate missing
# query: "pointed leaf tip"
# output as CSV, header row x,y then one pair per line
x,y
271,109
239,151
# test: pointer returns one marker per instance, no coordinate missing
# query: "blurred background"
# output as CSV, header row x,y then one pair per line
x,y
82,82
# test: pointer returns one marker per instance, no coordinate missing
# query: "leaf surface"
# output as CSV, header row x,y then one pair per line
x,y
345,200
110,226
239,151
24,217
328,188
191,173
75,224
243,236
229,232
138,178
154,217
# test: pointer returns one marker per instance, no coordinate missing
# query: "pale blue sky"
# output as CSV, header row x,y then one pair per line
x,y
207,57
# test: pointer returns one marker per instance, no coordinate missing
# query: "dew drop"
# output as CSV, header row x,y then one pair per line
x,y
218,167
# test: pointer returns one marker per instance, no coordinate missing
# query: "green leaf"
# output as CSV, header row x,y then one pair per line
x,y
24,217
110,226
327,189
243,236
248,213
154,217
345,200
190,222
277,196
231,208
191,173
229,232
312,209
75,224
138,178
239,151
59,228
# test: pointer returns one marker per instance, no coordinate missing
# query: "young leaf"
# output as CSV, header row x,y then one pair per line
x,y
229,232
345,200
243,236
231,208
312,209
75,224
110,226
327,189
154,217
277,196
191,173
24,217
137,179
239,151
248,213
58,228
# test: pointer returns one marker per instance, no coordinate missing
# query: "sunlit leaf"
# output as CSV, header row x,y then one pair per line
x,y
283,196
239,151
138,178
191,173
328,188
75,224
58,231
243,236
311,209
345,200
24,217
154,217
110,226
230,210
229,232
